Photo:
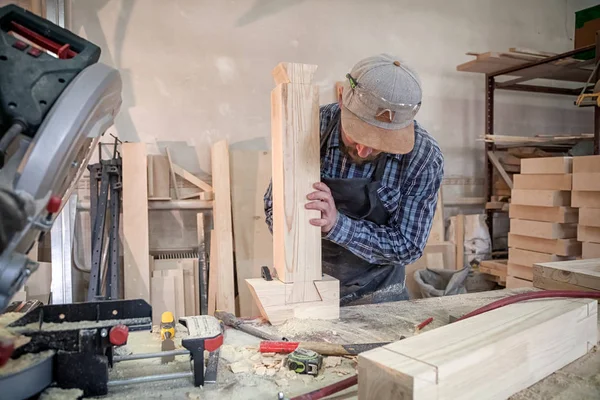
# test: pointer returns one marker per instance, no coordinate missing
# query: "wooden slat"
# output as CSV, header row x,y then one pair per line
x,y
496,163
547,214
561,247
295,168
547,165
543,198
213,281
494,267
223,226
173,178
136,253
459,240
158,178
191,178
180,295
528,257
544,230
543,181
250,175
516,345
163,296
581,273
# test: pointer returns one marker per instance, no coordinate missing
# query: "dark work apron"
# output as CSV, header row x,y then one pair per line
x,y
360,281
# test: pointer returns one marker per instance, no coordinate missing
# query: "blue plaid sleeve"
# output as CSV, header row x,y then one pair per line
x,y
401,241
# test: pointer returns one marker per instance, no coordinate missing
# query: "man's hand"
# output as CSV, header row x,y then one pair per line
x,y
323,201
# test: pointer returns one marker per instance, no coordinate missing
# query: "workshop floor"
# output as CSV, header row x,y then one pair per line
x,y
385,322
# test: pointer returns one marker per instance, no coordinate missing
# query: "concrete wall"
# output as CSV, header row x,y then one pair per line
x,y
196,71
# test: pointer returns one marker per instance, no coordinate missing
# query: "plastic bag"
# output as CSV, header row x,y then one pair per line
x,y
441,282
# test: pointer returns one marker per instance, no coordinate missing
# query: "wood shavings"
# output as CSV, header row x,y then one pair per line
x,y
255,357
271,372
341,372
9,317
282,382
239,367
23,362
55,393
291,375
331,361
307,379
229,353
261,371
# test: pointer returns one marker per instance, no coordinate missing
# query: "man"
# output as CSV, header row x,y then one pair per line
x,y
380,176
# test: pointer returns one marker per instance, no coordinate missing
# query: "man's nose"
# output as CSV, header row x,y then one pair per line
x,y
363,151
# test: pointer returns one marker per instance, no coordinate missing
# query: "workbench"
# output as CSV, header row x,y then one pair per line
x,y
358,324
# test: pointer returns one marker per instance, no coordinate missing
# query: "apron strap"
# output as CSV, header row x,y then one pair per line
x,y
380,168
330,127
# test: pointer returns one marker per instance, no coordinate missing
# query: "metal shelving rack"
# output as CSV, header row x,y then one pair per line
x,y
517,85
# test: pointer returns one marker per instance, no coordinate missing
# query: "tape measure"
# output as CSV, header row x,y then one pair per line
x,y
304,361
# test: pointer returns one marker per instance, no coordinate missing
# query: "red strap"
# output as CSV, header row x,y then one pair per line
x,y
213,343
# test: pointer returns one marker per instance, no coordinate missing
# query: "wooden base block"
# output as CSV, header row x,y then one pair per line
x,y
568,275
561,247
544,230
513,282
543,181
589,216
520,271
274,305
590,250
588,234
586,181
489,356
546,165
585,199
547,214
543,198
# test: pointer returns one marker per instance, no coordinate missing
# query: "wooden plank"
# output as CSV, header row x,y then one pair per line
x,y
588,234
586,181
136,253
524,50
547,214
543,198
542,282
590,250
158,178
528,257
163,296
543,181
173,178
459,240
494,267
436,234
585,199
583,273
561,247
286,72
295,168
589,216
180,300
547,165
512,282
544,230
496,163
191,178
213,281
250,175
223,226
586,164
520,271
444,363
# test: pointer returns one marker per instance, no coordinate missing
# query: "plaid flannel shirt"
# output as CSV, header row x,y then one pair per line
x,y
409,192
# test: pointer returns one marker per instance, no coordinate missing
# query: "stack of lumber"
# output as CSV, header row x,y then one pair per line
x,y
586,197
543,226
581,275
494,271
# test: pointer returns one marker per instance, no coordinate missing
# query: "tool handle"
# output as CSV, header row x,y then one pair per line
x,y
325,349
278,347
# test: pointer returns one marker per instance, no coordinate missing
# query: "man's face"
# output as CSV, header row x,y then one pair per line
x,y
358,153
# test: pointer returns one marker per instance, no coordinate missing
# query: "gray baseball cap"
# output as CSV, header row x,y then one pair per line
x,y
380,99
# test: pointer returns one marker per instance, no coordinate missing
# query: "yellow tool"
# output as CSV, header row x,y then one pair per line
x,y
167,325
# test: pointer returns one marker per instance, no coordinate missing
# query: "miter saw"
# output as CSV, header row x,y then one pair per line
x,y
56,101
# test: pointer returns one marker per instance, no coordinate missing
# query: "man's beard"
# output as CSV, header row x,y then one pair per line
x,y
352,153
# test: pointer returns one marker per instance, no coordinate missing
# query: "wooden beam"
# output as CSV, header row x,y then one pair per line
x,y
158,178
590,250
213,281
496,163
561,247
585,199
459,240
173,178
223,226
513,282
191,178
286,72
454,362
136,252
581,273
543,181
542,198
544,230
548,214
546,165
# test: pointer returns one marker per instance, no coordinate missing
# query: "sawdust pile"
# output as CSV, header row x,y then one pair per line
x,y
25,361
55,393
9,317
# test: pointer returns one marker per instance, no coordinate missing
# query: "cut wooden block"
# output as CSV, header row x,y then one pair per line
x,y
544,198
589,216
520,271
544,230
561,247
547,214
586,164
585,199
588,234
590,250
528,258
543,181
136,246
494,267
158,178
223,226
586,181
275,303
250,174
512,282
547,165
453,362
582,274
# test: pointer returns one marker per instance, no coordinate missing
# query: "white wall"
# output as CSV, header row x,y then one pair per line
x,y
197,70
